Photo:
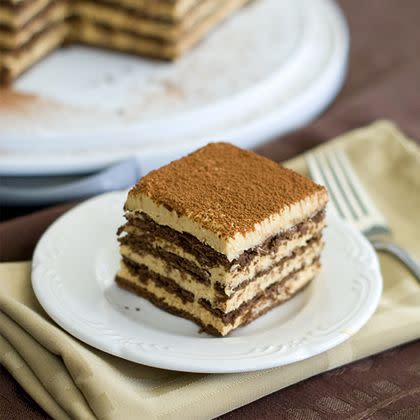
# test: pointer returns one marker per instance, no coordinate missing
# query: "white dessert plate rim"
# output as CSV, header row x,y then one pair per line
x,y
76,259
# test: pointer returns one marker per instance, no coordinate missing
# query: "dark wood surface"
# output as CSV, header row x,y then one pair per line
x,y
383,82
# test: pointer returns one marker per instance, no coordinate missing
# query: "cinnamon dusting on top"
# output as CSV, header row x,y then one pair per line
x,y
225,189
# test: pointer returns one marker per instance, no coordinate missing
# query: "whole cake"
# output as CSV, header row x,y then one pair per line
x,y
30,29
221,236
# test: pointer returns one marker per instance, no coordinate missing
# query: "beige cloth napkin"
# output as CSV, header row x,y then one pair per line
x,y
70,379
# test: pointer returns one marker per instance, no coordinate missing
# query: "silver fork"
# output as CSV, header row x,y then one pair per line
x,y
349,199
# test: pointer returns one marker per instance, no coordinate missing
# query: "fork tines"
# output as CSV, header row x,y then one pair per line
x,y
331,168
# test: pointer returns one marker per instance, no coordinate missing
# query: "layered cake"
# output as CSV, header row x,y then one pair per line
x,y
221,236
30,29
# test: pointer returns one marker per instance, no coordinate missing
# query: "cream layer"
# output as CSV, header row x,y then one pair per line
x,y
17,62
86,31
232,278
17,19
208,292
118,18
57,13
289,288
232,247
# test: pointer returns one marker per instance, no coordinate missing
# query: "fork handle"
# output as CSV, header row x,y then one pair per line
x,y
399,253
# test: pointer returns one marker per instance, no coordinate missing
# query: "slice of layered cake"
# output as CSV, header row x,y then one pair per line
x,y
221,236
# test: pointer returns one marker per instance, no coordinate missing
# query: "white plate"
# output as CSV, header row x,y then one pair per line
x,y
73,278
271,68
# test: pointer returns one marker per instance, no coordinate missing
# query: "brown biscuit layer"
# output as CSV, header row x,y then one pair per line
x,y
225,189
206,255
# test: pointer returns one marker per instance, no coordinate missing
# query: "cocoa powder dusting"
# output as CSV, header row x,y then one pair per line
x,y
225,189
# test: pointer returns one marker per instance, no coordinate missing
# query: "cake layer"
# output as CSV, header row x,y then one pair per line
x,y
96,34
54,13
205,195
15,62
187,280
153,288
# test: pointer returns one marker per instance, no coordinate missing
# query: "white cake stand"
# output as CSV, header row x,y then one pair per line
x,y
271,68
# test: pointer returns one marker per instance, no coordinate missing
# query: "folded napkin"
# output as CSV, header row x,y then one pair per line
x,y
70,379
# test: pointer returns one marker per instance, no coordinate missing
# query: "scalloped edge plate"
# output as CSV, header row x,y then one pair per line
x,y
72,275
